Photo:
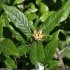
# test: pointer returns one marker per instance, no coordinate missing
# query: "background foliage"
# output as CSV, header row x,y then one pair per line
x,y
34,32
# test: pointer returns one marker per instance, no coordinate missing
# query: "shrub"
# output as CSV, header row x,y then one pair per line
x,y
35,33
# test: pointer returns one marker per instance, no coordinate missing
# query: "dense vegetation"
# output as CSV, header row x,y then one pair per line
x,y
35,33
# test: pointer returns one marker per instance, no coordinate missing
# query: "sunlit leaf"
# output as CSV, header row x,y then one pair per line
x,y
10,63
18,19
23,49
53,20
50,48
37,53
18,1
9,47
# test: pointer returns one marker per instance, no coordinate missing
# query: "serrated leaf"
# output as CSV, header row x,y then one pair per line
x,y
23,49
51,47
57,17
18,19
9,47
10,63
37,53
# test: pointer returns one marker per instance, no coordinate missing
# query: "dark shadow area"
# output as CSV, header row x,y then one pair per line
x,y
19,31
66,61
7,34
52,5
62,36
24,63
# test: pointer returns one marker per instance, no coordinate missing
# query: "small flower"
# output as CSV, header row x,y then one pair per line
x,y
38,35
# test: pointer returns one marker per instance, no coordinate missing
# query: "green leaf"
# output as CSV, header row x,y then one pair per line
x,y
1,48
18,19
4,1
53,65
9,47
65,46
32,8
66,53
1,27
16,34
23,49
51,47
10,63
31,12
18,1
37,53
43,8
3,22
31,16
54,19
38,2
43,11
54,1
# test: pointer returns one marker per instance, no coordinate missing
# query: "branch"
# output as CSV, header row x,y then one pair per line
x,y
60,59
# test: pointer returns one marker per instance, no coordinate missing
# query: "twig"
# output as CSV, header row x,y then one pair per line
x,y
64,49
61,51
60,59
